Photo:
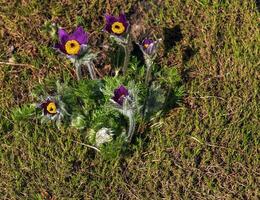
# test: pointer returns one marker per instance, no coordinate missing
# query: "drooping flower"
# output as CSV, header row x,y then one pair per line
x,y
120,94
72,44
116,25
149,46
125,101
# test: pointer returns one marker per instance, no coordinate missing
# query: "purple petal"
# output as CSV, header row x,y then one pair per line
x,y
122,90
119,94
147,42
60,47
122,18
79,35
63,36
109,21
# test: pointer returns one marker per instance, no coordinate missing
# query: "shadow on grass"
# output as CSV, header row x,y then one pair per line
x,y
188,53
136,52
257,5
171,37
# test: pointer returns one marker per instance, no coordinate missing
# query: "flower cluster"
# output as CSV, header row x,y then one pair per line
x,y
113,107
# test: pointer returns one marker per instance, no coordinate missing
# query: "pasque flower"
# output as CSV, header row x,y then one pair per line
x,y
49,107
74,43
120,94
52,109
149,48
125,102
116,25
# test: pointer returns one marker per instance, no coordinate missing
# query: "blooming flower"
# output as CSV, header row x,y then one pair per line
x,y
49,106
116,25
52,109
120,94
72,44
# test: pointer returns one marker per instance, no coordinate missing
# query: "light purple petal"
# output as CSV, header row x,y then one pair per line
x,y
147,42
79,35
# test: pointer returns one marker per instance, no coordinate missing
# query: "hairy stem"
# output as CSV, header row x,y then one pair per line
x,y
126,59
127,54
78,70
131,129
91,70
149,64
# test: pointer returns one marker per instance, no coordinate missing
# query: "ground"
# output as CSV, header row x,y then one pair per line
x,y
206,148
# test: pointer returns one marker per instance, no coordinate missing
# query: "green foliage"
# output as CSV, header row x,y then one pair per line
x,y
24,113
205,149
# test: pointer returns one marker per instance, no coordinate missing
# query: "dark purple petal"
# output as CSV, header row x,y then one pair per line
x,y
79,35
63,36
122,18
43,105
119,94
112,19
60,47
109,21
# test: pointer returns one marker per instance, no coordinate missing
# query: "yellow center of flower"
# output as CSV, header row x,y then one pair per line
x,y
146,46
72,47
51,108
118,27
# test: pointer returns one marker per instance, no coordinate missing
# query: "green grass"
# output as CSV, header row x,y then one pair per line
x,y
208,148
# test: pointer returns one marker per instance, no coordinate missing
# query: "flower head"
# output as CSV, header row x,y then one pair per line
x,y
149,46
52,109
49,106
72,44
120,94
116,25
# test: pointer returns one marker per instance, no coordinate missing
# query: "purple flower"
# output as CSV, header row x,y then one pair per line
x,y
149,46
119,94
49,106
116,25
71,44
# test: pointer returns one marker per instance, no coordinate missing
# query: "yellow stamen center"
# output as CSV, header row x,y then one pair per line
x,y
146,46
51,108
72,47
118,27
